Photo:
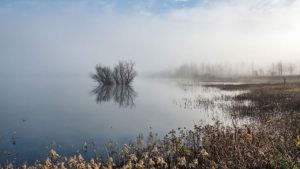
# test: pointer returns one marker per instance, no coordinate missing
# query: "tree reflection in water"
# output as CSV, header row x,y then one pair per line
x,y
123,95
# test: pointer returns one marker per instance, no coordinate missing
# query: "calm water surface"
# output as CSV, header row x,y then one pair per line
x,y
40,113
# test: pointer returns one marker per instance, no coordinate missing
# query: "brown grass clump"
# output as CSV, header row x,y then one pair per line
x,y
210,146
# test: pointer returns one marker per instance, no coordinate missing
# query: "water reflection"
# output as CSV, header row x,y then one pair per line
x,y
123,95
206,98
13,139
213,103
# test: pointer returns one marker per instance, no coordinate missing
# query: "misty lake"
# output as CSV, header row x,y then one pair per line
x,y
40,113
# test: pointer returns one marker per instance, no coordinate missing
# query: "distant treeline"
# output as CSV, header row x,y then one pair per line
x,y
204,70
122,73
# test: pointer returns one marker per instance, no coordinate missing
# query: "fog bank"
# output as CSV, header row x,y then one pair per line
x,y
71,38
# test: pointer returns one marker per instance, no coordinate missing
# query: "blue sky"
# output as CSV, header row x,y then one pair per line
x,y
127,6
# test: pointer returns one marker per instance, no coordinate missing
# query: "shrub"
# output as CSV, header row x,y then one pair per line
x,y
103,75
123,74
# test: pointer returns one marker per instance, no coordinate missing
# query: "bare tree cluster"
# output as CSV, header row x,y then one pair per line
x,y
277,69
103,75
123,73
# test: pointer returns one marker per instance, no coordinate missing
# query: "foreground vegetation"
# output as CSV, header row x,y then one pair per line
x,y
273,142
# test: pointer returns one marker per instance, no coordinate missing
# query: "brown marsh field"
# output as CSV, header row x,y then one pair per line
x,y
272,141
